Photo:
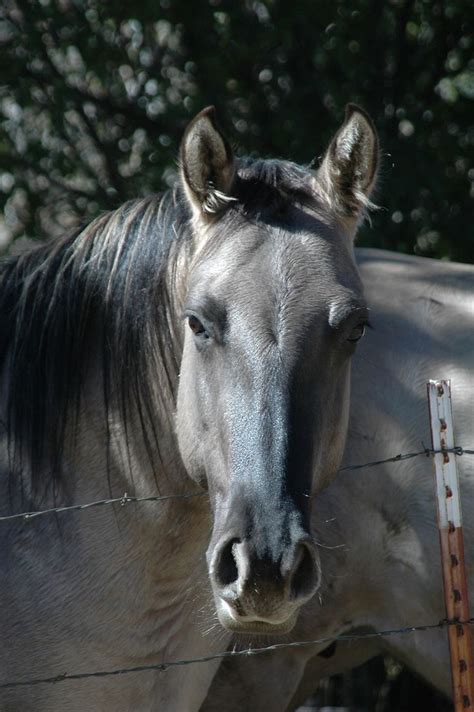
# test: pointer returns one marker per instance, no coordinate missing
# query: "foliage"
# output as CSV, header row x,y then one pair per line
x,y
94,97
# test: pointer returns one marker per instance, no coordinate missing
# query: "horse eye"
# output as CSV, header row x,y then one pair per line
x,y
196,326
357,333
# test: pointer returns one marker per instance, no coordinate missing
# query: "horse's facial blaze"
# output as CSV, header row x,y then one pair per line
x,y
273,312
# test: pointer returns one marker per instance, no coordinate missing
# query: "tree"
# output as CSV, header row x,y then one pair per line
x,y
95,97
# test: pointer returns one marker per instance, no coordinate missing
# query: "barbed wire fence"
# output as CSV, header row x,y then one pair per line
x,y
125,499
247,652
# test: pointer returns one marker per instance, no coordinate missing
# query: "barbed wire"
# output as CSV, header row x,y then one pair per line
x,y
427,452
164,666
126,499
123,500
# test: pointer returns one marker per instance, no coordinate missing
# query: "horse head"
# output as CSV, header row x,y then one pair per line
x,y
273,311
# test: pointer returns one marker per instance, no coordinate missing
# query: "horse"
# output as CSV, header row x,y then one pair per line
x,y
376,527
194,342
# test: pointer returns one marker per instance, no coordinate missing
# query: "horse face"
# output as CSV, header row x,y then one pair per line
x,y
273,312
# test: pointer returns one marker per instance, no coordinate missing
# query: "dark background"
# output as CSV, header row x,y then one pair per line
x,y
94,97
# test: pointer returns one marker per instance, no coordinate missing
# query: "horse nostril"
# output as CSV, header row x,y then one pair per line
x,y
306,573
226,571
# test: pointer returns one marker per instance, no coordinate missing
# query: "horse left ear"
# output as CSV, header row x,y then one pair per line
x,y
348,170
207,165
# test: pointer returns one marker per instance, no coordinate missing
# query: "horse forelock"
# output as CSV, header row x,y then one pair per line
x,y
273,183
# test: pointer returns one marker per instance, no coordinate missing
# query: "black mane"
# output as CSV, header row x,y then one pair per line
x,y
105,290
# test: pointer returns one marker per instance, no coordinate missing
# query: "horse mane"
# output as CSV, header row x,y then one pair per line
x,y
105,290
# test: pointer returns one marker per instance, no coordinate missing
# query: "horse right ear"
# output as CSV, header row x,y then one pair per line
x,y
207,165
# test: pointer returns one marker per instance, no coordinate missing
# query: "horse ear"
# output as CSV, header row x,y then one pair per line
x,y
348,170
207,165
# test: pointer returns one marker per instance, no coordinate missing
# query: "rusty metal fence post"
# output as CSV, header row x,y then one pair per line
x,y
452,544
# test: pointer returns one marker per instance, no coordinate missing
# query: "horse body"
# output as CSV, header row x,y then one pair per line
x,y
380,557
241,280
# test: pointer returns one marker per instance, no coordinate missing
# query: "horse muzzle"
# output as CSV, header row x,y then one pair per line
x,y
262,594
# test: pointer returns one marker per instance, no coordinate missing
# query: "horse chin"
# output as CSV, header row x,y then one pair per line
x,y
247,625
